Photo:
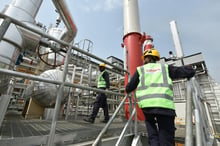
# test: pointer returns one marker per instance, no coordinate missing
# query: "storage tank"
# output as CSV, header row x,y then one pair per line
x,y
45,93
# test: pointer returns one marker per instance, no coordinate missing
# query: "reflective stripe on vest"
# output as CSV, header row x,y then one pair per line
x,y
101,81
155,86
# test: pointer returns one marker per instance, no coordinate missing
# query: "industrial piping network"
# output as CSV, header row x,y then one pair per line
x,y
15,35
35,36
13,73
17,38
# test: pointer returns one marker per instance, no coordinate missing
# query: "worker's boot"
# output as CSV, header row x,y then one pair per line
x,y
105,121
90,120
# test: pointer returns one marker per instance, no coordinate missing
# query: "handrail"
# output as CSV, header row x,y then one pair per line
x,y
38,78
97,142
135,116
46,43
99,137
188,115
125,128
62,83
203,135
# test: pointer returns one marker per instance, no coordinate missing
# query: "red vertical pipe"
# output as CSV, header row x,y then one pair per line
x,y
132,41
133,44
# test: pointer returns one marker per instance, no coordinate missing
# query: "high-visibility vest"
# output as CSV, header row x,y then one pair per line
x,y
101,81
155,88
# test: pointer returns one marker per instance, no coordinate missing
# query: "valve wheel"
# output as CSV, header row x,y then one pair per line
x,y
43,55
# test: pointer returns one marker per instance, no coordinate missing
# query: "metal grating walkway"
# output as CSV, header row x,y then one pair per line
x,y
16,129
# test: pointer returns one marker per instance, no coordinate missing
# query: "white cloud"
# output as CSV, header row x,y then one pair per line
x,y
101,5
113,4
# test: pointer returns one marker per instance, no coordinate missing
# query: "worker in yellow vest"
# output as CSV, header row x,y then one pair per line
x,y
154,92
101,99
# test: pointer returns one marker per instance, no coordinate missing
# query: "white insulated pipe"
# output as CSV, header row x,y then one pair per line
x,y
23,10
131,17
176,40
70,32
15,37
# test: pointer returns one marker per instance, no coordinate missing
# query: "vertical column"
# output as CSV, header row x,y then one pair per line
x,y
132,42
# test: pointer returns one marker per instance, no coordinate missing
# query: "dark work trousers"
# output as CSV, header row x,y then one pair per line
x,y
161,129
100,101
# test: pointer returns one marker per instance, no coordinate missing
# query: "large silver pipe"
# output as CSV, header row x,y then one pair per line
x,y
15,38
70,32
44,93
23,10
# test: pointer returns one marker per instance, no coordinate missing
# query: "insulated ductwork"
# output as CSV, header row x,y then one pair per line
x,y
70,31
16,38
45,93
25,11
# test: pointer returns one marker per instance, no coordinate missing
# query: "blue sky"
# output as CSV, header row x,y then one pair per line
x,y
101,21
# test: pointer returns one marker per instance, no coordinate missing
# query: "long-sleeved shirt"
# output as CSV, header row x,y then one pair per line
x,y
174,73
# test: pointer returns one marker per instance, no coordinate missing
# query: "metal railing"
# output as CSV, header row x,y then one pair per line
x,y
195,105
8,20
3,28
97,142
203,124
133,114
61,85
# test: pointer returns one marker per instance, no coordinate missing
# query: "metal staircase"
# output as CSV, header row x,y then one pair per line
x,y
210,92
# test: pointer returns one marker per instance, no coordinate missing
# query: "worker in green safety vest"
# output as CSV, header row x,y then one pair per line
x,y
101,99
154,92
